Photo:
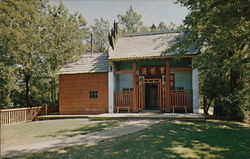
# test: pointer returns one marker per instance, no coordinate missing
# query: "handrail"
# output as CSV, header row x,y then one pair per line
x,y
123,91
16,109
181,90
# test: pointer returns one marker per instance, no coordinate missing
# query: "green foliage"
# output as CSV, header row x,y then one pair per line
x,y
36,41
100,30
212,140
131,22
221,30
163,26
20,42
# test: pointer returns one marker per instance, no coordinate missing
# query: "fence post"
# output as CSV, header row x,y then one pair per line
x,y
25,116
8,117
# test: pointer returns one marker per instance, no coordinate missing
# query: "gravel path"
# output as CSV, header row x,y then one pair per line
x,y
52,143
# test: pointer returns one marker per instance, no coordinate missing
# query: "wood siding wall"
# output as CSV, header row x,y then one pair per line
x,y
74,93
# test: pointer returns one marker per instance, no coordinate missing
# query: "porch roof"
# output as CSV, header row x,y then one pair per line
x,y
87,64
145,46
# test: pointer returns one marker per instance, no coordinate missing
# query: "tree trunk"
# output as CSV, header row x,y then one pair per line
x,y
234,80
27,79
206,105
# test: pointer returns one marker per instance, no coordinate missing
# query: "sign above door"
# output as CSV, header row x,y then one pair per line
x,y
152,71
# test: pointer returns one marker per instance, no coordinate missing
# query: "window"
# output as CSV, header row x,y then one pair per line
x,y
93,94
127,89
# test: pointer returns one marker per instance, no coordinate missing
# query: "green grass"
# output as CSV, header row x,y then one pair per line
x,y
39,131
166,140
85,129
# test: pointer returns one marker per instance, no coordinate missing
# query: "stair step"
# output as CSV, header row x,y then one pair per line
x,y
151,111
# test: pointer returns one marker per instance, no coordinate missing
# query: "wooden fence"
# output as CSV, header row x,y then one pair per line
x,y
9,116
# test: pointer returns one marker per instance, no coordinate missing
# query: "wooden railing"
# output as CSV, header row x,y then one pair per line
x,y
123,98
9,116
181,98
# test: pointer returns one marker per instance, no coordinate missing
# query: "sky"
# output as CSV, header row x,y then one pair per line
x,y
152,11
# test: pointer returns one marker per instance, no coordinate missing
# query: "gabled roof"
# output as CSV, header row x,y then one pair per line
x,y
145,46
87,64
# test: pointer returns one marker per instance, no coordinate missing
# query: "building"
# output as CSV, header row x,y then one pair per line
x,y
133,76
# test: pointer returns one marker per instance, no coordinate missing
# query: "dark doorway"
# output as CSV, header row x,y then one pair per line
x,y
151,96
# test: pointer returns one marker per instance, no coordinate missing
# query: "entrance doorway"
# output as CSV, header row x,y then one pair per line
x,y
151,96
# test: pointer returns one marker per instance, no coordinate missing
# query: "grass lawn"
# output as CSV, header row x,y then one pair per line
x,y
168,139
39,131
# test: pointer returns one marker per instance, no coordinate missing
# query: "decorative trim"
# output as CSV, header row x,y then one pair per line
x,y
123,72
146,58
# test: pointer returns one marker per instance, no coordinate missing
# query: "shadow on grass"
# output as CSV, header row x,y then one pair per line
x,y
86,129
166,140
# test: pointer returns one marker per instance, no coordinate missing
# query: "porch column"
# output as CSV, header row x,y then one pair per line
x,y
111,88
195,87
167,107
135,105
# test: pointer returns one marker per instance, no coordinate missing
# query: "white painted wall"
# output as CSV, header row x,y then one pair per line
x,y
195,86
111,88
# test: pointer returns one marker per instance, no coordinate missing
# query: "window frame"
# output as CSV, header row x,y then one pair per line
x,y
93,94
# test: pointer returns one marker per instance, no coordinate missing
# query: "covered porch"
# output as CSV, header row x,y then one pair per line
x,y
160,85
180,100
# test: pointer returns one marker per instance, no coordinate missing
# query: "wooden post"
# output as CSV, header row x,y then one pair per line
x,y
135,105
167,107
46,109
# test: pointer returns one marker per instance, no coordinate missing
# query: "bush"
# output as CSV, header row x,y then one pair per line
x,y
230,107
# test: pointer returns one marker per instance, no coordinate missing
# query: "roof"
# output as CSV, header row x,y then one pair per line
x,y
87,64
145,46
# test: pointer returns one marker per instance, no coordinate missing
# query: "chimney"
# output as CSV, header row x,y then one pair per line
x,y
91,45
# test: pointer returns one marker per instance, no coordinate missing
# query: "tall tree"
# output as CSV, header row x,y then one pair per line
x,y
36,41
221,29
63,39
20,42
131,21
100,30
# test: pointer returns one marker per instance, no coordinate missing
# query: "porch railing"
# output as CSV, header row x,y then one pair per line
x,y
123,98
181,98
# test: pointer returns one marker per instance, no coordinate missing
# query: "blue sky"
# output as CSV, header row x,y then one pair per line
x,y
153,11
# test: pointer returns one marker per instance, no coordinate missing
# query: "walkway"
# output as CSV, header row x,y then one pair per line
x,y
111,116
25,138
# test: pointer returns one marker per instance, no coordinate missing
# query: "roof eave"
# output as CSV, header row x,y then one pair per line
x,y
146,58
71,73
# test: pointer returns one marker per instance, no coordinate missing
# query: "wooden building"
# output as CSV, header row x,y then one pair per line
x,y
83,86
135,75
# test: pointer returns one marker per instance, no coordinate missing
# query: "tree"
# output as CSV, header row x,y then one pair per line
x,y
20,43
36,41
100,30
162,26
63,38
131,22
221,29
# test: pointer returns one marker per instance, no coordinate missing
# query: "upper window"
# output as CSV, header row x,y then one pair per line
x,y
93,94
